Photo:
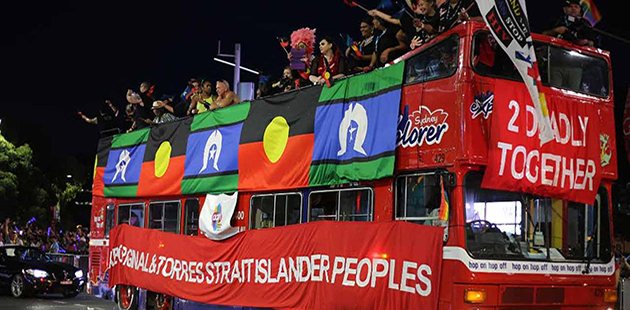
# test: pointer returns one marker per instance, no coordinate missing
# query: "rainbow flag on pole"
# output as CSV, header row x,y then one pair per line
x,y
591,13
444,203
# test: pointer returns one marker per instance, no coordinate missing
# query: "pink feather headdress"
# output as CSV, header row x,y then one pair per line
x,y
305,35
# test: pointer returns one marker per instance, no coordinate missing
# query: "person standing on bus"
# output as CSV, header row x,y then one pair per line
x,y
390,44
226,97
329,60
428,26
358,61
571,26
454,12
202,99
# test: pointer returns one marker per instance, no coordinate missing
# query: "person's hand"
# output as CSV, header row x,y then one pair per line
x,y
372,13
384,56
560,29
304,59
129,92
148,121
415,42
289,56
108,102
80,113
464,16
368,69
417,23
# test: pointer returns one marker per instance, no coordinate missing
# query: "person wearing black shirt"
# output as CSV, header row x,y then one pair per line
x,y
428,25
454,12
365,47
571,26
390,44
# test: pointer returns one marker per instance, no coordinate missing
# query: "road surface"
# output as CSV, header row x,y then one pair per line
x,y
83,302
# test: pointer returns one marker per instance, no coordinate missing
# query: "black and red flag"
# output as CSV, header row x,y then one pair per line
x,y
276,143
164,158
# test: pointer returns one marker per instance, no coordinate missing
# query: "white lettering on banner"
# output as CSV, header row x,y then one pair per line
x,y
526,267
547,168
411,277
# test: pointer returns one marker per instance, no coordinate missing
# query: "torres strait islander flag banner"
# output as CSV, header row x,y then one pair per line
x,y
212,151
124,163
379,266
568,167
355,128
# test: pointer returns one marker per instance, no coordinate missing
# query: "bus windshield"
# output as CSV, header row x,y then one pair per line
x,y
559,67
501,224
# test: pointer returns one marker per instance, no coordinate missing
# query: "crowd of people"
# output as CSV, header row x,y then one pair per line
x,y
48,240
383,39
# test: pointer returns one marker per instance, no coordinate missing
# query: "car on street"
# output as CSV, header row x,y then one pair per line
x,y
28,270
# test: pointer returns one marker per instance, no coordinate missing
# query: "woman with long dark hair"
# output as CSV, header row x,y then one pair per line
x,y
329,61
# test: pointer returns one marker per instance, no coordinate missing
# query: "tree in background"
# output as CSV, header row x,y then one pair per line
x,y
27,192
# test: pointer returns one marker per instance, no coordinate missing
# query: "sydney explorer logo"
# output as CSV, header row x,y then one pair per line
x,y
422,126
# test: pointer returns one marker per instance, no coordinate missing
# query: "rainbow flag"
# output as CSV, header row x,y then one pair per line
x,y
591,13
444,203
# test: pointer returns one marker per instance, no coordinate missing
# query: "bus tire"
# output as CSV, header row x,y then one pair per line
x,y
127,297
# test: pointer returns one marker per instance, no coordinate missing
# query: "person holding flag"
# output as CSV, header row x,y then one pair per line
x,y
572,27
360,53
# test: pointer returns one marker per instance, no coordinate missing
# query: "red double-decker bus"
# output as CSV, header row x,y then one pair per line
x,y
503,248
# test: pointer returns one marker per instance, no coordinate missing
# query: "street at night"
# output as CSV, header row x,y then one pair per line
x,y
45,302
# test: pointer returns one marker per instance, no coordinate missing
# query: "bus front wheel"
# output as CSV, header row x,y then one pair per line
x,y
127,297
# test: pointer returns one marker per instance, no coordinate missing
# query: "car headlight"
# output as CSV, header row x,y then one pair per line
x,y
37,273
78,274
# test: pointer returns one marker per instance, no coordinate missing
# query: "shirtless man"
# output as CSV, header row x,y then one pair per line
x,y
226,96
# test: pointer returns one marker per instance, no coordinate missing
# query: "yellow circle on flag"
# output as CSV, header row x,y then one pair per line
x,y
162,158
95,165
327,75
275,138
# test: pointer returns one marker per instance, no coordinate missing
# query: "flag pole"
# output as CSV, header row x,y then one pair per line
x,y
608,34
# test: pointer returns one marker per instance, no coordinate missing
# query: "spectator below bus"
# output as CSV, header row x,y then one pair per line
x,y
428,25
329,61
225,97
361,61
572,27
202,99
454,12
390,44
161,114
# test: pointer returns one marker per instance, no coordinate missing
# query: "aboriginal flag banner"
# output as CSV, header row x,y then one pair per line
x,y
124,162
277,141
163,161
212,152
355,128
316,136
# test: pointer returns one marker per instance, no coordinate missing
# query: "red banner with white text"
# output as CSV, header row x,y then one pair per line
x,y
320,265
568,167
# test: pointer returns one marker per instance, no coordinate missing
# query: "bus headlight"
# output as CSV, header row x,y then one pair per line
x,y
474,296
78,274
610,295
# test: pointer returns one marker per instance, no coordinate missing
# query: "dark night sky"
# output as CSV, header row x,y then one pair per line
x,y
57,57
